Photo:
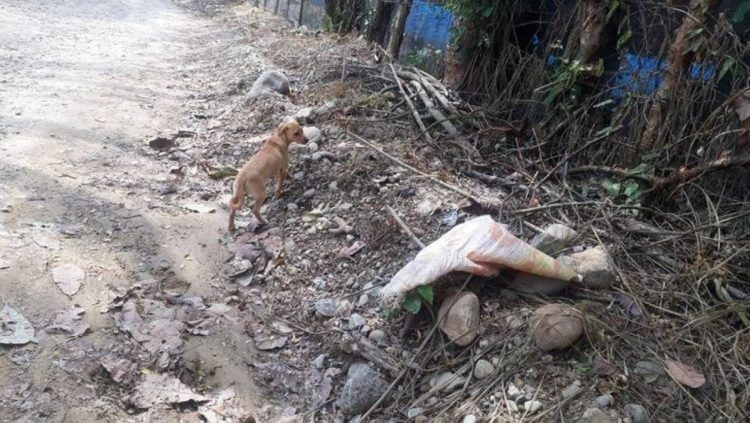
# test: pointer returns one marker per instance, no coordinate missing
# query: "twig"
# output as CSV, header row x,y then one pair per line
x,y
405,228
437,114
414,111
417,171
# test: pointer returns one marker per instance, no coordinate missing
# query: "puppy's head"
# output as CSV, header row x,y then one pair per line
x,y
291,131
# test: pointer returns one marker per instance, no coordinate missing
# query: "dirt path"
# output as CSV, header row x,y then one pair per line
x,y
83,86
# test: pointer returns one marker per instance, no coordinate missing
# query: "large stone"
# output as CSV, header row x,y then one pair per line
x,y
538,285
305,115
312,133
270,82
459,317
554,238
556,326
594,266
483,369
595,415
364,385
637,413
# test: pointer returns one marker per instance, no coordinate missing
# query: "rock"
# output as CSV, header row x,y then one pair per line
x,y
594,266
292,207
312,133
313,146
595,415
363,299
309,193
446,382
512,406
532,406
571,390
483,369
604,401
637,413
305,115
270,82
414,412
364,385
556,326
377,336
356,321
459,317
554,238
320,361
469,419
421,419
513,392
327,307
325,108
538,285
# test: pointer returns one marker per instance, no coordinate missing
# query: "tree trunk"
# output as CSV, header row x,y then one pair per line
x,y
397,28
342,14
594,20
379,26
679,59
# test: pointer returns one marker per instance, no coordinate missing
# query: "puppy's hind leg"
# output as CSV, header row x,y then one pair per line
x,y
235,203
259,194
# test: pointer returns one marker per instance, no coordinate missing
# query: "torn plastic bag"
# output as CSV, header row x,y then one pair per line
x,y
479,246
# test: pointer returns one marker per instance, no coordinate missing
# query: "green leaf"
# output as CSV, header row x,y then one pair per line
x,y
632,191
624,38
729,64
613,6
222,173
640,169
426,292
412,303
612,187
739,15
487,12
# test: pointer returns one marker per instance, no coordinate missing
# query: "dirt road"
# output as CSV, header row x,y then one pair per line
x,y
83,86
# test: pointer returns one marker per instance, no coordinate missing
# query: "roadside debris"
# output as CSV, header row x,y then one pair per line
x,y
162,388
69,278
480,246
14,328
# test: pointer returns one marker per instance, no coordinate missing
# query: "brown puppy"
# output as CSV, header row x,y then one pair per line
x,y
271,160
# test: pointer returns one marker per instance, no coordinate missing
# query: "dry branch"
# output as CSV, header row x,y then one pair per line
x,y
437,114
413,109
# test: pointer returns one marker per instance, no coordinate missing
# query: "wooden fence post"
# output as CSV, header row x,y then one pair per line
x,y
276,9
301,7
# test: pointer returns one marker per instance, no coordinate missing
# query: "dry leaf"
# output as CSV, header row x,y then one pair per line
x,y
352,249
602,367
158,388
69,321
14,328
69,278
684,374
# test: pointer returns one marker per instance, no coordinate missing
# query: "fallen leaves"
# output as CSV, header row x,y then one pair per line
x,y
14,328
199,207
118,368
68,278
352,249
685,374
160,388
69,321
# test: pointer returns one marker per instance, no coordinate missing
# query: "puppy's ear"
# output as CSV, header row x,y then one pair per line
x,y
283,126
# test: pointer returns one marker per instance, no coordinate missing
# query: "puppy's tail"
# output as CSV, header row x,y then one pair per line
x,y
235,203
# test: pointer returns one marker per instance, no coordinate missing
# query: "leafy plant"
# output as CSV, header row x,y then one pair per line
x,y
415,298
566,79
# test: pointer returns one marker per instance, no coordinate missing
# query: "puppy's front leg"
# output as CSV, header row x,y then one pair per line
x,y
280,181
